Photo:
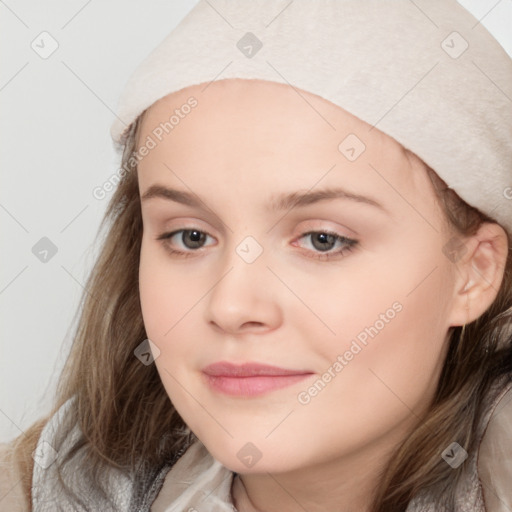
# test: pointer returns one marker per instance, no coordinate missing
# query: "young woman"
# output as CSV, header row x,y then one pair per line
x,y
304,298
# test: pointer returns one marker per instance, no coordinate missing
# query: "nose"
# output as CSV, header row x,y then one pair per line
x,y
244,299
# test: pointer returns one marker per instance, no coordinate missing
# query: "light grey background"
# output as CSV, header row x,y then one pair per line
x,y
56,148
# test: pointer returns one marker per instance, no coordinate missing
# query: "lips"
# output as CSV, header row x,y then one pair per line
x,y
250,379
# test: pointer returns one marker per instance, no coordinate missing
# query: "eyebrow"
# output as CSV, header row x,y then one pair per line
x,y
279,202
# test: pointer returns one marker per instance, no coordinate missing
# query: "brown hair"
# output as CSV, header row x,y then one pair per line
x,y
125,413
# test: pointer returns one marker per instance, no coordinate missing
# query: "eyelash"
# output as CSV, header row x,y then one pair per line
x,y
350,243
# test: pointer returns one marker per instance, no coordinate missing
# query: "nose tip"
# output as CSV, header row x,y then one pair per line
x,y
243,302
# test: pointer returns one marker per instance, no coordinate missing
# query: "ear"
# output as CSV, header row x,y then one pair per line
x,y
480,272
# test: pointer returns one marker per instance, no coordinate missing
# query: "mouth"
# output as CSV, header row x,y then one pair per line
x,y
250,379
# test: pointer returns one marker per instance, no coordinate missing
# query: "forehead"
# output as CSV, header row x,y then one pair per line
x,y
264,134
262,108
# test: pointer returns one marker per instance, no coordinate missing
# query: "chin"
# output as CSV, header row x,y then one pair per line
x,y
250,458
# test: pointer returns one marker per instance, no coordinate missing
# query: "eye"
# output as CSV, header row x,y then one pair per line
x,y
321,244
190,239
325,241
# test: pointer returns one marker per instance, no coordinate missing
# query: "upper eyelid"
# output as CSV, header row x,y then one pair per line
x,y
304,232
196,224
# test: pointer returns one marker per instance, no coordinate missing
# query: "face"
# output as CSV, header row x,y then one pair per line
x,y
324,315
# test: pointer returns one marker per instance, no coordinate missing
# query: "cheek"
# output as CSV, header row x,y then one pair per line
x,y
390,322
397,340
165,293
171,296
166,301
382,371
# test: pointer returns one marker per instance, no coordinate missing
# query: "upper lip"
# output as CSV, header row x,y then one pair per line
x,y
227,369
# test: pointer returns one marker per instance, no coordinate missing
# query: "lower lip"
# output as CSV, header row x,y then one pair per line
x,y
252,386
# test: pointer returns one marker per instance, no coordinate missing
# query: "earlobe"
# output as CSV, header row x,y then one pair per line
x,y
480,272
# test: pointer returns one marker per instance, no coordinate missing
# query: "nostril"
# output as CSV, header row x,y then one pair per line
x,y
252,325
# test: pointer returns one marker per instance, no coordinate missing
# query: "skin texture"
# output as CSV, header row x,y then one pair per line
x,y
244,143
